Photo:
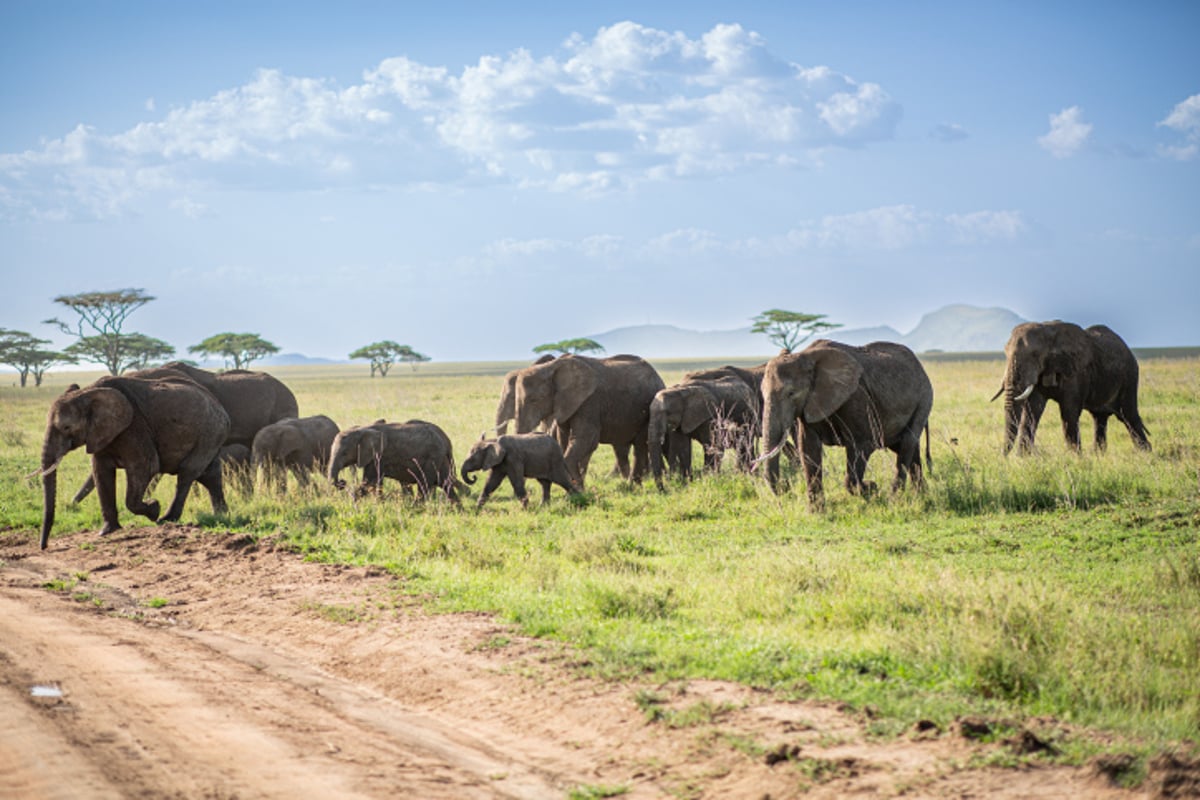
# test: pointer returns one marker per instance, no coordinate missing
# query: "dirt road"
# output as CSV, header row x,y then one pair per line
x,y
171,662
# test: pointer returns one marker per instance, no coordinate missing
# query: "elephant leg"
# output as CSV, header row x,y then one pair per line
x,y
85,490
545,482
1070,423
641,456
856,467
811,450
1031,415
711,447
104,475
495,478
621,453
1127,412
1100,422
211,480
137,482
583,442
517,479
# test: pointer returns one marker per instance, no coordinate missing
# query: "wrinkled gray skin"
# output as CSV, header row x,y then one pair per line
x,y
506,411
861,398
593,401
517,457
299,445
251,399
1082,370
145,427
752,377
415,453
718,414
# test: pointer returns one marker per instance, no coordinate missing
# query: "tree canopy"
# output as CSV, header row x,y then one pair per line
x,y
242,349
790,329
136,351
383,355
24,353
99,328
570,346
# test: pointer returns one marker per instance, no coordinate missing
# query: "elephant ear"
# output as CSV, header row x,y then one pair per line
x,y
574,383
493,455
836,377
699,407
109,413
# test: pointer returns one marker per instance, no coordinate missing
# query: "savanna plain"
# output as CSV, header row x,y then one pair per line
x,y
1042,612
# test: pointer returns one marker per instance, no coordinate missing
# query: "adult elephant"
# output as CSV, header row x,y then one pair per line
x,y
299,446
252,400
1082,370
861,398
716,413
592,401
415,453
146,427
506,411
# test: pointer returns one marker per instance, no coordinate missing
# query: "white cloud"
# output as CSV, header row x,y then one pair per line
x,y
629,104
948,132
1184,118
1068,133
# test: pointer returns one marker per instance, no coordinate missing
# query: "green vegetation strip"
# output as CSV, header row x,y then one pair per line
x,y
1054,585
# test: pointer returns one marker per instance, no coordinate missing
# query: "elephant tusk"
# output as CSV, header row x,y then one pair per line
x,y
41,473
768,455
999,392
1023,395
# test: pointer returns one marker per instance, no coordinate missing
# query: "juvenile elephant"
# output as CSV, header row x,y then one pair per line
x,y
1082,370
296,445
592,401
716,413
415,453
251,399
145,427
861,398
517,457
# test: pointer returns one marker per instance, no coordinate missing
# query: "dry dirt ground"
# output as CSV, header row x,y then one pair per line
x,y
178,663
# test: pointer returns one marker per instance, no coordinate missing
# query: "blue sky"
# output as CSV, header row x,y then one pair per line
x,y
475,180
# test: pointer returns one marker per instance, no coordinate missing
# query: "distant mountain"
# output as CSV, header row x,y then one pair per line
x,y
292,359
963,329
953,329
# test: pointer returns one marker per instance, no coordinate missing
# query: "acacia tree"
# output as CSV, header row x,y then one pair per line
x,y
242,349
790,329
24,353
570,346
382,356
137,351
102,316
412,357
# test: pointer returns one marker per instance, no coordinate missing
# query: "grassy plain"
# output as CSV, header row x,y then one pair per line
x,y
1053,585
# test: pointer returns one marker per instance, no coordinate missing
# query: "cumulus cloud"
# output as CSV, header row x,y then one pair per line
x,y
1185,119
627,105
1068,133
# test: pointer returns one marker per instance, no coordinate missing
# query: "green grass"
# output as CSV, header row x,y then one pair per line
x,y
1053,585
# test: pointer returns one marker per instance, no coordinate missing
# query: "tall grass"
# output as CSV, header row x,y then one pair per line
x,y
1055,584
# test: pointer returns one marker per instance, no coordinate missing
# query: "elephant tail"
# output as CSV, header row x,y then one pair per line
x,y
928,456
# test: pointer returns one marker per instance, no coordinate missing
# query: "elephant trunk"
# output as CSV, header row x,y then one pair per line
x,y
778,416
52,455
657,432
467,477
337,462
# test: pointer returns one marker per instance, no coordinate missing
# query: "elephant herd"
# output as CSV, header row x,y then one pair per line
x,y
198,425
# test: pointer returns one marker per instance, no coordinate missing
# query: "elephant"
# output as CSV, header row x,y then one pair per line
x,y
752,377
716,413
415,453
517,457
296,445
146,427
251,399
592,401
1092,370
506,411
861,398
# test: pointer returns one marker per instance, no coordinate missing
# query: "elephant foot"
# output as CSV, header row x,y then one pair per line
x,y
108,528
150,510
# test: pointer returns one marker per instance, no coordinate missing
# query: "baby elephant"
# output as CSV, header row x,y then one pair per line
x,y
517,457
